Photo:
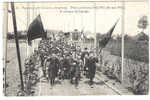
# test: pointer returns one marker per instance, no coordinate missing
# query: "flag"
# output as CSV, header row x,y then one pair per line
x,y
35,30
103,42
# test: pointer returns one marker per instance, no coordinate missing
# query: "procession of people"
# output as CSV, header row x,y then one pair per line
x,y
63,61
60,55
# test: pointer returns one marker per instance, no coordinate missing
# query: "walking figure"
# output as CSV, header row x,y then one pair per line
x,y
92,67
53,67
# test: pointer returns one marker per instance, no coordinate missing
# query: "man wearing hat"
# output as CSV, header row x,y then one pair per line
x,y
53,66
84,53
92,67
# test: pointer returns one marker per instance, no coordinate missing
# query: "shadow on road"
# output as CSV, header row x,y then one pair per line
x,y
96,83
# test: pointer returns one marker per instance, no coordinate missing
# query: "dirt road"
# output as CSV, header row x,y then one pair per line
x,y
65,88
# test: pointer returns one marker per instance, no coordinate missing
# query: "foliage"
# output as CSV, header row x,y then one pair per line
x,y
112,71
138,77
135,74
135,64
143,37
136,50
30,75
143,22
133,49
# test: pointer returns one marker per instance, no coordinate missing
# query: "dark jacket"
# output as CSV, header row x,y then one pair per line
x,y
53,66
92,66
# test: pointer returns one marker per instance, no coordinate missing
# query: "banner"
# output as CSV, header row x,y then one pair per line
x,y
103,42
36,30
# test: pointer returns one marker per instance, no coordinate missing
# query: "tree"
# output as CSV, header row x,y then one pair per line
x,y
143,37
143,23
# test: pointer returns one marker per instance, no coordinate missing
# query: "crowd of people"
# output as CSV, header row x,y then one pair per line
x,y
62,60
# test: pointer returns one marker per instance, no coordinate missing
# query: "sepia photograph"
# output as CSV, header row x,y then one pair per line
x,y
75,48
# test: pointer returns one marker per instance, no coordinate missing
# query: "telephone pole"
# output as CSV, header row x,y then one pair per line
x,y
17,44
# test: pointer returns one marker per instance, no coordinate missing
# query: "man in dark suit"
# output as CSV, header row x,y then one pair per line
x,y
53,66
92,67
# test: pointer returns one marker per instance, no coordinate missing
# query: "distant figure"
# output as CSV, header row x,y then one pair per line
x,y
84,53
43,57
85,65
84,57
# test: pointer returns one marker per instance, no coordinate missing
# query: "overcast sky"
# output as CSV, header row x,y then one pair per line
x,y
81,15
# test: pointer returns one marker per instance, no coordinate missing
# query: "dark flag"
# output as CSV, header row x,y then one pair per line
x,y
36,30
103,42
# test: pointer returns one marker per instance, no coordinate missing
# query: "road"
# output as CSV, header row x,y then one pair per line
x,y
65,88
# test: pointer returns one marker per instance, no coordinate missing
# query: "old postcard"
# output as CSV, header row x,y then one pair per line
x,y
75,48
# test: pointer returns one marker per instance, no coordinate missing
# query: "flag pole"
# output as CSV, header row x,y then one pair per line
x,y
95,42
17,44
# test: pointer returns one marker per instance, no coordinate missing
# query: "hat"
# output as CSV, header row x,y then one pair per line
x,y
85,48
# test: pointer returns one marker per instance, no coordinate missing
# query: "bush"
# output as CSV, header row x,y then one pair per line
x,y
138,77
136,50
30,75
133,49
112,71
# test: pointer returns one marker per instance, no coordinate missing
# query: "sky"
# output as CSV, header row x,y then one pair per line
x,y
67,16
